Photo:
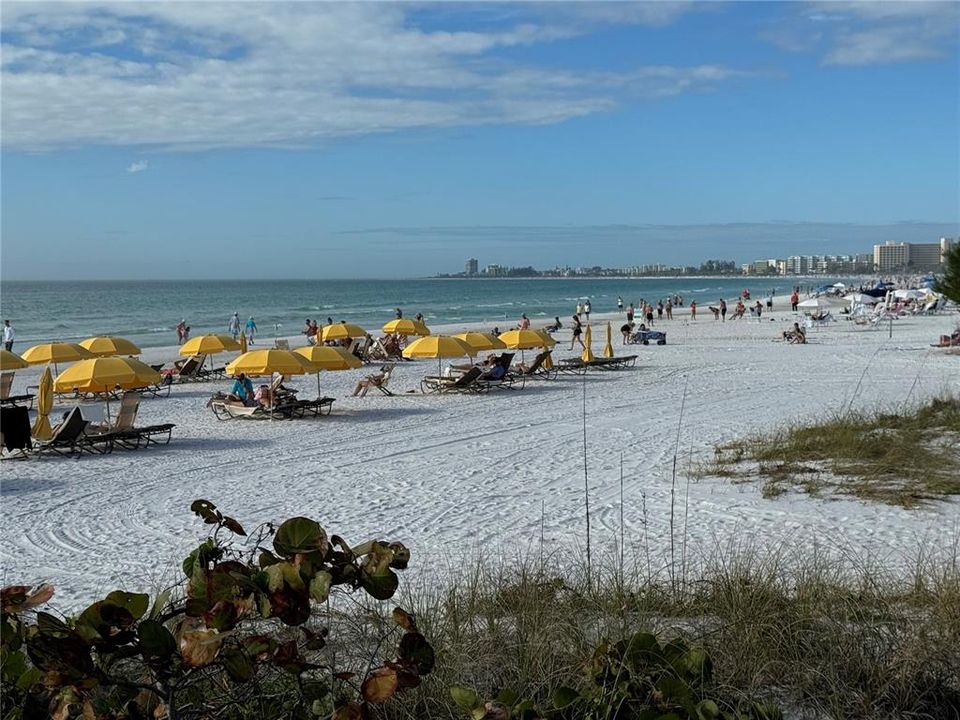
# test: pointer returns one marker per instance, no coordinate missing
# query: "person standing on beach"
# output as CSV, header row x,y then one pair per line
x,y
693,309
234,327
577,329
8,336
660,309
648,312
586,309
630,313
181,329
524,322
619,303
794,299
251,330
579,311
723,310
399,313
669,309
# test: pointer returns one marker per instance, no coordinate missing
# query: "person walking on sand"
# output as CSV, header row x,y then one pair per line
x,y
693,309
619,303
659,309
586,309
579,311
234,327
575,337
181,329
251,330
630,313
524,322
794,300
723,310
669,309
8,336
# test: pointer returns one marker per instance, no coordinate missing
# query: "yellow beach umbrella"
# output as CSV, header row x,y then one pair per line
x,y
406,326
41,428
437,346
99,375
209,345
11,361
326,357
341,331
56,352
109,345
525,340
267,362
481,341
608,348
548,341
587,354
242,342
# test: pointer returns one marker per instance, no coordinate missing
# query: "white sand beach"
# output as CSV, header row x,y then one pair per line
x,y
451,475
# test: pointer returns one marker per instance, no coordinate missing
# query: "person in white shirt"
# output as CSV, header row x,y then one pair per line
x,y
8,335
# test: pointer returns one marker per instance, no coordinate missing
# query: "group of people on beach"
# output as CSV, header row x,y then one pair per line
x,y
249,329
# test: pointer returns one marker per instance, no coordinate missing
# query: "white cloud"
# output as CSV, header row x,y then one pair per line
x,y
138,166
202,74
870,32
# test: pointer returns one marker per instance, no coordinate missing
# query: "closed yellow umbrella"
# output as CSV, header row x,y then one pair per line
x,y
341,331
326,357
587,354
481,341
11,361
406,326
437,346
243,343
267,362
209,345
108,345
41,428
608,348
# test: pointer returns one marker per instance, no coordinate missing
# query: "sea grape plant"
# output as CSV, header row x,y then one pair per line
x,y
636,678
242,633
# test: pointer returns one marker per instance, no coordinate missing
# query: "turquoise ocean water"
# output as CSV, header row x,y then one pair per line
x,y
147,311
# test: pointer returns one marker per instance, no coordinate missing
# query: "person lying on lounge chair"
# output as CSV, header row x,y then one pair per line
x,y
554,326
370,381
494,373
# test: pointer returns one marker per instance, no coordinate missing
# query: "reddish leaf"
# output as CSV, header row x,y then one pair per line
x,y
230,524
380,685
344,675
198,647
19,598
404,619
350,711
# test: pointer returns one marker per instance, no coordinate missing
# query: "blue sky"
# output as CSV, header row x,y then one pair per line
x,y
178,140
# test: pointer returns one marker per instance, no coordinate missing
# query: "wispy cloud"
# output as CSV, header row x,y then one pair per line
x,y
202,75
138,166
869,33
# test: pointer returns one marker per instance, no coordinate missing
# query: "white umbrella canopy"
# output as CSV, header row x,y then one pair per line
x,y
861,299
911,294
816,303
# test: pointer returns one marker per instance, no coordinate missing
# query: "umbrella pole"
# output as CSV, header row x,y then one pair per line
x,y
318,384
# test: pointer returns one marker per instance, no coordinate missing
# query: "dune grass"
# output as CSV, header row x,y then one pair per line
x,y
904,458
817,635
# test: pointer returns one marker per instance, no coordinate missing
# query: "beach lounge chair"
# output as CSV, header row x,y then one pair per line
x,y
620,362
381,385
224,409
536,369
281,344
6,384
466,383
572,366
124,433
317,407
70,438
15,431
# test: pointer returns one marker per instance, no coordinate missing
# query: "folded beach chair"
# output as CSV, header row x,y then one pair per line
x,y
281,344
6,384
466,383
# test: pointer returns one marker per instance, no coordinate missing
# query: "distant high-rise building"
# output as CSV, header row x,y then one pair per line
x,y
472,267
891,256
927,256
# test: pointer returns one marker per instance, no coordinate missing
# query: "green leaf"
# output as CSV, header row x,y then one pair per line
x,y
155,641
707,710
381,587
415,648
320,586
564,697
464,697
134,603
237,665
508,697
300,535
159,604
